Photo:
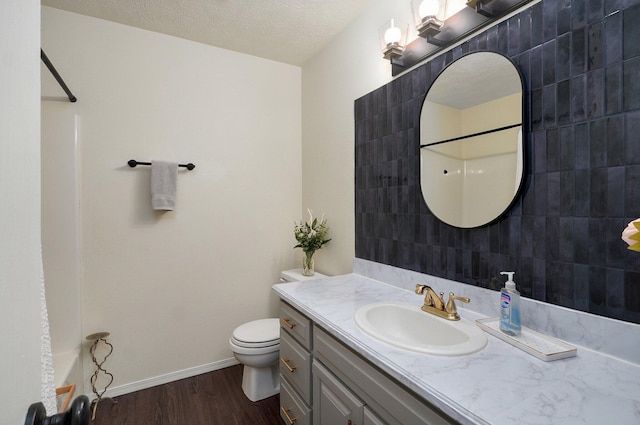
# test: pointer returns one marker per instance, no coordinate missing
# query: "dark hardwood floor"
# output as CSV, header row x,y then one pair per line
x,y
214,398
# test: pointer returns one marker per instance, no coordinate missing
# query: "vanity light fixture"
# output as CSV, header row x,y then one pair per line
x,y
441,23
481,7
426,14
393,39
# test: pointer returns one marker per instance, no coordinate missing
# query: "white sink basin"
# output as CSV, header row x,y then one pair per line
x,y
406,326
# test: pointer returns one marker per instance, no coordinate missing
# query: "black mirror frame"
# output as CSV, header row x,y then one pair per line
x,y
525,131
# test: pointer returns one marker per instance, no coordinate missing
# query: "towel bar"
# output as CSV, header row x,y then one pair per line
x,y
132,163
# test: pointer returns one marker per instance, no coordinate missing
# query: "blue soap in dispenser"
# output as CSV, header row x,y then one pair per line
x,y
510,307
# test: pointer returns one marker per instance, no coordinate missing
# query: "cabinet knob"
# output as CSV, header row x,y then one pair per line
x,y
285,412
288,366
287,323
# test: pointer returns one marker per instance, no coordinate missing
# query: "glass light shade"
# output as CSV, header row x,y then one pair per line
x,y
428,8
424,10
392,35
393,39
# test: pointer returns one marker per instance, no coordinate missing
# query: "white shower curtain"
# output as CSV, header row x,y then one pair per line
x,y
47,377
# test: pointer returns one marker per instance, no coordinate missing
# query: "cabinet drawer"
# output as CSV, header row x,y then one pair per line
x,y
296,324
292,409
295,366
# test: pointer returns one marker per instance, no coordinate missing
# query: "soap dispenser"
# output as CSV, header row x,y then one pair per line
x,y
510,307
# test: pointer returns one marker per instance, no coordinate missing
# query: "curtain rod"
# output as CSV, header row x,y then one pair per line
x,y
57,76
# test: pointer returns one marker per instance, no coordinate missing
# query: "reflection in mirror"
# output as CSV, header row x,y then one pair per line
x,y
471,157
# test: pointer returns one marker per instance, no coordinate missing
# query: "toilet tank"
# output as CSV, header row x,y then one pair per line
x,y
295,275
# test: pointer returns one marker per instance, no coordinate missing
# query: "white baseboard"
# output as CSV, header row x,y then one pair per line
x,y
169,377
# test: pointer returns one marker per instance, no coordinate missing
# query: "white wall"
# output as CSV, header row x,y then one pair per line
x,y
346,69
443,122
170,287
20,261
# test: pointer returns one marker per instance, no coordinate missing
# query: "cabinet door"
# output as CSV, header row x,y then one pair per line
x,y
390,401
370,418
333,403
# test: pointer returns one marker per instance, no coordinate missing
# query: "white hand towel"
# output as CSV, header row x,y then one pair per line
x,y
164,176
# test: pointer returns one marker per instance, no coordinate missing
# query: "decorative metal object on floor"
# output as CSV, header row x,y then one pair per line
x,y
100,371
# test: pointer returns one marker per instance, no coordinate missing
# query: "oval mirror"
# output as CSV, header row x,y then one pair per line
x,y
471,143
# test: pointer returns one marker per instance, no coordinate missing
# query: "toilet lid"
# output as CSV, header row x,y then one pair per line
x,y
258,332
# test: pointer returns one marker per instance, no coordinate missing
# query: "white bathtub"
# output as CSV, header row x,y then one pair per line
x,y
67,369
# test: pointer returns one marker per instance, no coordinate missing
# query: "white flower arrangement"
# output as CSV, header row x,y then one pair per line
x,y
311,235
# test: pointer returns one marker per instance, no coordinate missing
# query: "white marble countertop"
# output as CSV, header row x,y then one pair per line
x,y
500,385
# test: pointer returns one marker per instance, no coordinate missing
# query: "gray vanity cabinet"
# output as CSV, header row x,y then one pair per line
x,y
324,382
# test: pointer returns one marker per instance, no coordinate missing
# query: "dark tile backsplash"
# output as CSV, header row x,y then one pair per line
x,y
581,65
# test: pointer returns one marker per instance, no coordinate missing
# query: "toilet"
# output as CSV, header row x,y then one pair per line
x,y
256,345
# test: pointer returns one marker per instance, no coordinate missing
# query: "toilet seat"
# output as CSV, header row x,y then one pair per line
x,y
255,344
253,351
257,334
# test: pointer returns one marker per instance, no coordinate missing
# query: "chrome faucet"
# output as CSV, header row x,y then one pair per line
x,y
434,303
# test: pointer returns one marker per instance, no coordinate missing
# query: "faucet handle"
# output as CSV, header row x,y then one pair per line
x,y
451,305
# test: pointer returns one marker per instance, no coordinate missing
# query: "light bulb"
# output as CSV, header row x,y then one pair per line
x,y
392,34
429,8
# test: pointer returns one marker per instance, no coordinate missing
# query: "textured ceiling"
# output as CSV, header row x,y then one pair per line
x,y
474,80
289,31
